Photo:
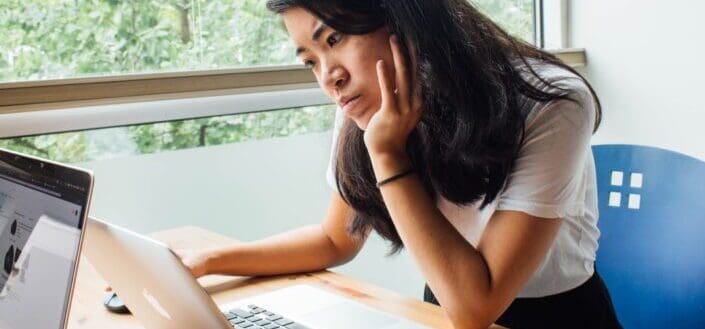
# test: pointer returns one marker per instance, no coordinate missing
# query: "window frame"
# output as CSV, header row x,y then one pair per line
x,y
551,24
79,118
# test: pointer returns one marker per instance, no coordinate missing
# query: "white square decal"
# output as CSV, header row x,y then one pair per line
x,y
615,199
634,201
636,180
617,178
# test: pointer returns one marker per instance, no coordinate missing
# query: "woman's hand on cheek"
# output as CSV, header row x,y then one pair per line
x,y
389,128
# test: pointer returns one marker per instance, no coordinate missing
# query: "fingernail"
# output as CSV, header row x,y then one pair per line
x,y
394,38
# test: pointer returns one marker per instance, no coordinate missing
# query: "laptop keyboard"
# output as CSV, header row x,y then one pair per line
x,y
253,317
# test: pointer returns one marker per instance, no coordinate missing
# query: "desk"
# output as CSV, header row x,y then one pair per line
x,y
87,310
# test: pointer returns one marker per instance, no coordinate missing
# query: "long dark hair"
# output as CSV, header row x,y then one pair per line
x,y
472,126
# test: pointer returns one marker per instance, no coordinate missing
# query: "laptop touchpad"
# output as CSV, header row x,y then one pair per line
x,y
348,316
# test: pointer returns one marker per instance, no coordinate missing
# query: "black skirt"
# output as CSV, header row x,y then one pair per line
x,y
587,306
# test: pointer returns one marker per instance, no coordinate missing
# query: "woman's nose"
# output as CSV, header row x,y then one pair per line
x,y
335,77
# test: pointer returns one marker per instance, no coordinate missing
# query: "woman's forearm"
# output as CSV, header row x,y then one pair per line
x,y
305,249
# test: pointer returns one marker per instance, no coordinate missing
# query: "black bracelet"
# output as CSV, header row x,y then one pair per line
x,y
395,177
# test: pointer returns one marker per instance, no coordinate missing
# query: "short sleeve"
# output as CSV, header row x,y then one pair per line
x,y
548,179
330,172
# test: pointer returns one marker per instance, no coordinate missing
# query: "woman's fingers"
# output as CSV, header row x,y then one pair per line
x,y
399,92
389,101
402,77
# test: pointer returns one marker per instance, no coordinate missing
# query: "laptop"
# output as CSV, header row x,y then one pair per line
x,y
43,206
161,292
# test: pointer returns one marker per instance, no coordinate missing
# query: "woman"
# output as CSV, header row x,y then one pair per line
x,y
460,143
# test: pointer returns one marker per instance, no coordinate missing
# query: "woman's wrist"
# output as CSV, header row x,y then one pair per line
x,y
211,260
387,164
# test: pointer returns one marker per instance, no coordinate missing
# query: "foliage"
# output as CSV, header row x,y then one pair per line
x,y
48,39
515,16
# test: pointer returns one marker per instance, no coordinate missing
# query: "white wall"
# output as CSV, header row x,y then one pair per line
x,y
246,190
645,59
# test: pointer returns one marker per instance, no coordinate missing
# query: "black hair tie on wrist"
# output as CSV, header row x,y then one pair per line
x,y
395,177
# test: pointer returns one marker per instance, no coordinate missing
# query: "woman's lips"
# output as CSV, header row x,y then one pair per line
x,y
349,105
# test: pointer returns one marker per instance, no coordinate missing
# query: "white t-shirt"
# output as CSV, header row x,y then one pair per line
x,y
553,177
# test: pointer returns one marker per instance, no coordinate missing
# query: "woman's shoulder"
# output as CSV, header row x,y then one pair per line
x,y
555,79
577,107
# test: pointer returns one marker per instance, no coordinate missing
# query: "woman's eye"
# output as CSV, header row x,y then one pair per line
x,y
309,64
334,38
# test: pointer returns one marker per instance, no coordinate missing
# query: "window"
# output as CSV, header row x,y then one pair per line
x,y
515,16
101,144
55,39
68,38
72,38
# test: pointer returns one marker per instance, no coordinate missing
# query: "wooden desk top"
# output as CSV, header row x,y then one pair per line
x,y
87,309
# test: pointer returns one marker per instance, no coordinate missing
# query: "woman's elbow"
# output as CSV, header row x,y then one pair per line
x,y
467,318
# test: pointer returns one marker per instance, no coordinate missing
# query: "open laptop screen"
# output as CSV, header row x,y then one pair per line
x,y
41,211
